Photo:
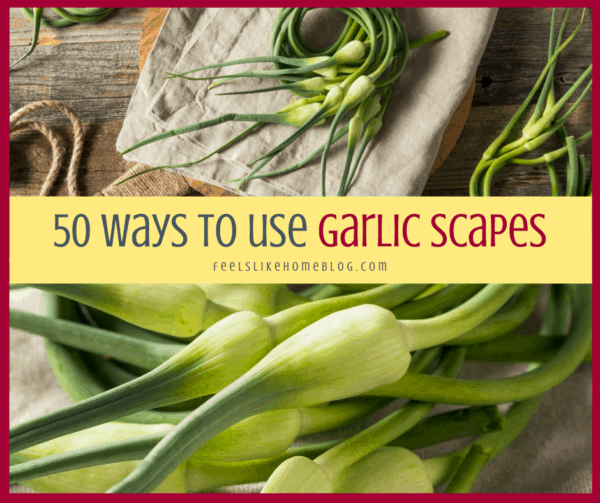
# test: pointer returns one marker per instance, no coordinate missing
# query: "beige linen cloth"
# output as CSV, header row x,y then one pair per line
x,y
400,159
553,454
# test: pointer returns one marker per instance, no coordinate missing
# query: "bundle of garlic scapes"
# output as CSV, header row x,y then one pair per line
x,y
543,124
185,388
356,73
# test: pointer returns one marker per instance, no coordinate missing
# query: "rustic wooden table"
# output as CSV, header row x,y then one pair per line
x,y
94,69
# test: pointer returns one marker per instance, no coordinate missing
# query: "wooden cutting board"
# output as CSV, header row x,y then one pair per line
x,y
152,24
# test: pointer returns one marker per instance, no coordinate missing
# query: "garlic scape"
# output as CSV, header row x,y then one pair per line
x,y
208,364
234,345
356,287
203,367
544,122
342,355
368,56
188,309
82,379
512,315
263,436
463,466
520,349
69,460
293,374
325,66
146,349
130,348
83,375
320,292
475,456
227,405
463,318
438,301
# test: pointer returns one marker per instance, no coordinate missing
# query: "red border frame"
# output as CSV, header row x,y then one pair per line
x,y
4,229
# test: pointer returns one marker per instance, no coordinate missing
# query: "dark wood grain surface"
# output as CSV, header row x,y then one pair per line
x,y
94,69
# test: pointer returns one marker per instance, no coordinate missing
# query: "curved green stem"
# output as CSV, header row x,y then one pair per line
x,y
511,389
458,321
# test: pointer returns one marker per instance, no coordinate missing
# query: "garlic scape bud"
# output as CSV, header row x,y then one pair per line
x,y
356,125
317,116
262,299
176,310
90,479
300,102
300,116
370,107
64,460
314,84
373,127
358,91
370,111
298,475
349,53
329,71
386,470
333,100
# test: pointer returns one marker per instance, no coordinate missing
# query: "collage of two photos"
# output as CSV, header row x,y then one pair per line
x,y
301,380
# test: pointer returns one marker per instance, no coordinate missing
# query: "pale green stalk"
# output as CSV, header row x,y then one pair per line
x,y
512,315
445,327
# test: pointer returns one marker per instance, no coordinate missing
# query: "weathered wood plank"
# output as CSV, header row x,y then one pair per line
x,y
121,25
96,80
518,51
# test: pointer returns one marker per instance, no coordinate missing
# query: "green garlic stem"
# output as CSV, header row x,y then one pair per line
x,y
445,327
439,301
468,471
286,323
96,340
512,315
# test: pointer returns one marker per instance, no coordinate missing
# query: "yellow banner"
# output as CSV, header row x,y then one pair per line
x,y
301,240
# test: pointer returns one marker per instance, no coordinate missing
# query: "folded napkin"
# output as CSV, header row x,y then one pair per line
x,y
401,156
553,454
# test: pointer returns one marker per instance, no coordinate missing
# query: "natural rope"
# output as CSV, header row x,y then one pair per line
x,y
58,150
